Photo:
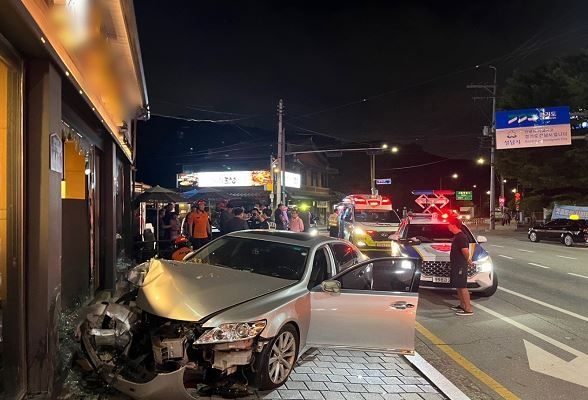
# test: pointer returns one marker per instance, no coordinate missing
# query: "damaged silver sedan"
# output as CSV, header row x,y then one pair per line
x,y
240,311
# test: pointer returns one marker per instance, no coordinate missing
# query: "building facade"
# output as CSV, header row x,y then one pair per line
x,y
71,89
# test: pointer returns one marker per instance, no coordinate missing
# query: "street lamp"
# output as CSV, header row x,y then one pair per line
x,y
481,161
475,186
488,193
394,149
455,176
384,146
514,190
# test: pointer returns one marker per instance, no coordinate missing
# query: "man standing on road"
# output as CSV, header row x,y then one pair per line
x,y
460,259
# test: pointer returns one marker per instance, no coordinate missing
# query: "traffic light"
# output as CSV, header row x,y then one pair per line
x,y
517,197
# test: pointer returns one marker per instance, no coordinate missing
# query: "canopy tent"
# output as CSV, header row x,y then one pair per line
x,y
159,195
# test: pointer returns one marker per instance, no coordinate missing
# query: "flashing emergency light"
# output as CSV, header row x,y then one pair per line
x,y
386,201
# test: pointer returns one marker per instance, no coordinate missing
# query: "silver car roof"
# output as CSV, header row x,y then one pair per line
x,y
293,238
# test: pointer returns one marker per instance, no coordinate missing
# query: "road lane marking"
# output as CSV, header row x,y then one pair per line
x,y
544,304
503,256
530,331
539,265
578,275
466,364
496,245
526,251
569,258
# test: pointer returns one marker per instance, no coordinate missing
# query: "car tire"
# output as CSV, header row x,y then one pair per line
x,y
568,240
280,352
533,237
492,289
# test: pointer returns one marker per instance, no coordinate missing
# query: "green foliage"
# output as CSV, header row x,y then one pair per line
x,y
551,172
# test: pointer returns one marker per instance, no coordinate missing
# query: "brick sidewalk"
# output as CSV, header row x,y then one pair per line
x,y
354,375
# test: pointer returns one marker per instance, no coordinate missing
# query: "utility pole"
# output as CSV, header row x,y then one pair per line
x,y
373,173
281,162
492,90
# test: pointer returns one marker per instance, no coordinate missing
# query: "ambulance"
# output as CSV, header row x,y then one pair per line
x,y
368,221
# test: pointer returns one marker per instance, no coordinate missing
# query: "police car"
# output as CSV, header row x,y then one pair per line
x,y
367,221
427,236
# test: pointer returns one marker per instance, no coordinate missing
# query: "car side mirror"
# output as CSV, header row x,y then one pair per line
x,y
331,286
482,239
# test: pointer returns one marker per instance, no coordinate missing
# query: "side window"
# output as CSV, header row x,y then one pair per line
x,y
348,214
320,268
386,275
345,256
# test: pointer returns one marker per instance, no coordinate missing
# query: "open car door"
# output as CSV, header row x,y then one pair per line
x,y
371,305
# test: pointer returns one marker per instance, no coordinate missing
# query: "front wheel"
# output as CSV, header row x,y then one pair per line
x,y
492,289
533,237
568,240
277,360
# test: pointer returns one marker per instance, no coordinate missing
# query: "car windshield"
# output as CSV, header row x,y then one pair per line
x,y
262,257
383,216
433,233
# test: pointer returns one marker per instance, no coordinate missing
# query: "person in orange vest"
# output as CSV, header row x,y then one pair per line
x,y
199,227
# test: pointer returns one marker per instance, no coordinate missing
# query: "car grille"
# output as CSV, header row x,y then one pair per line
x,y
379,236
442,268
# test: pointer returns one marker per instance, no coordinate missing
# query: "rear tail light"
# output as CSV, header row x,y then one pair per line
x,y
374,203
359,200
386,201
370,232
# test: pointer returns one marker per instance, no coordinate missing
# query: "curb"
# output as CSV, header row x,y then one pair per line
x,y
439,380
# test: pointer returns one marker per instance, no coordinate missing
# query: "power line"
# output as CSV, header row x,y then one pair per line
x,y
214,121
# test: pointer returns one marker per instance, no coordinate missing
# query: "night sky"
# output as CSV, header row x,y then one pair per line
x,y
366,71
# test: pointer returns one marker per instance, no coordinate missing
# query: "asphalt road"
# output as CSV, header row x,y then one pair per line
x,y
528,341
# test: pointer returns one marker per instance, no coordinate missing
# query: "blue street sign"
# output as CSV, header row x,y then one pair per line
x,y
532,117
386,181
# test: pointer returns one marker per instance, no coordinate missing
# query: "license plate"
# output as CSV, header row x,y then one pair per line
x,y
383,244
440,279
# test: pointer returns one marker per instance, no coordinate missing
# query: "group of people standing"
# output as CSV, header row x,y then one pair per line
x,y
199,221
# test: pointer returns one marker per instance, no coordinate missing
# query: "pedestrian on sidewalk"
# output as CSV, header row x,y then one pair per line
x,y
296,223
225,217
254,219
175,228
199,226
281,218
460,260
238,222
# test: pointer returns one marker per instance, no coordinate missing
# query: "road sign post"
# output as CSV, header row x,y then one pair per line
x,y
463,195
384,181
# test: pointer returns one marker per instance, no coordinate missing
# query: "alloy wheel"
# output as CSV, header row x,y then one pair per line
x,y
533,237
568,241
282,357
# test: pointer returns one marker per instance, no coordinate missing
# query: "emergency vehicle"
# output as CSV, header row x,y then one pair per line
x,y
368,221
427,236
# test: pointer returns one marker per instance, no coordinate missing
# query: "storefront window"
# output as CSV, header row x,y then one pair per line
x,y
11,271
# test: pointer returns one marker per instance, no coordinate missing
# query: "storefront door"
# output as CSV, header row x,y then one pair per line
x,y
12,356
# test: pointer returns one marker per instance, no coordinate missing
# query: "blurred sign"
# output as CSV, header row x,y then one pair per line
x,y
534,127
56,149
463,195
292,180
224,179
501,201
385,181
565,212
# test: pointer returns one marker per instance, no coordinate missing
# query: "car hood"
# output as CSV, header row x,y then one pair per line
x,y
190,291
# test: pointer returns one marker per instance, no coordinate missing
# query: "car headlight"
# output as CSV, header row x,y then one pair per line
x,y
484,264
359,231
233,332
137,275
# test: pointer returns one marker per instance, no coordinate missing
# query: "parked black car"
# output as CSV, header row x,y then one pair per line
x,y
566,231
